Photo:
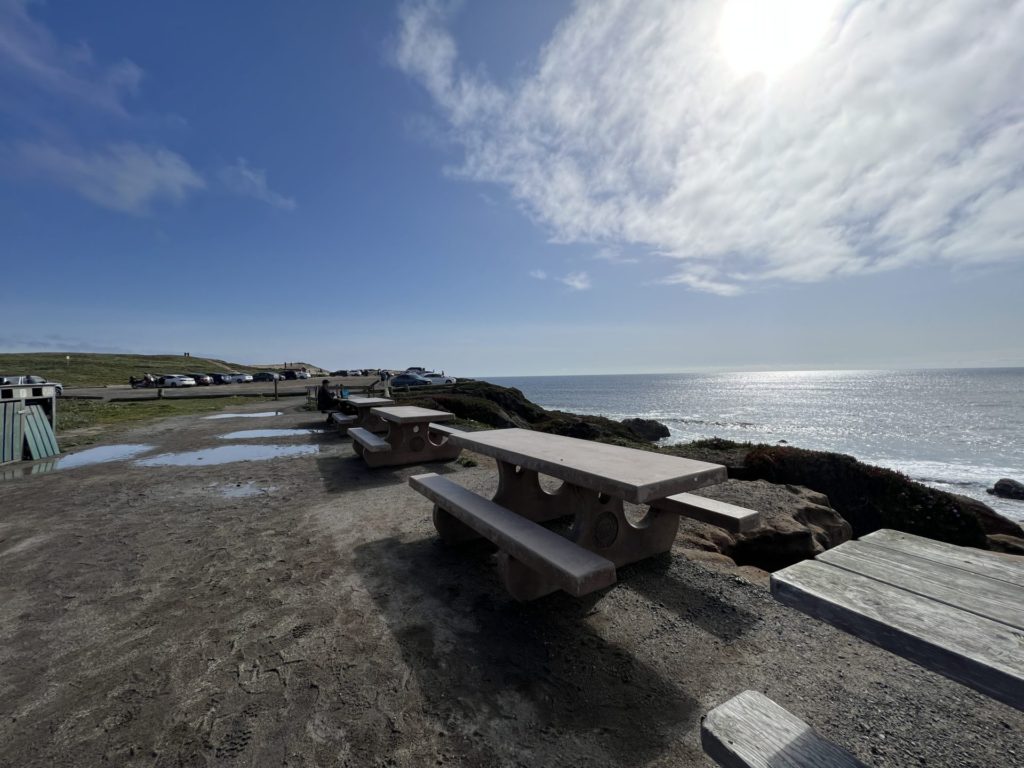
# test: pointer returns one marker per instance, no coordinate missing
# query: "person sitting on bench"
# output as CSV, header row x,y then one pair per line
x,y
327,400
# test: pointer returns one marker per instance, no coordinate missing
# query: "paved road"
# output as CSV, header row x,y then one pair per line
x,y
285,388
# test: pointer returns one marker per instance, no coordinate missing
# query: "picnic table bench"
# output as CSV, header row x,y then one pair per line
x,y
598,479
413,435
363,417
956,610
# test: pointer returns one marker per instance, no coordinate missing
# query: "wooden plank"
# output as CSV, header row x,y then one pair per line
x,y
42,443
752,731
992,598
627,473
574,569
1006,567
727,516
982,654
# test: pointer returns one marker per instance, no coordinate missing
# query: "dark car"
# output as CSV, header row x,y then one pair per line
x,y
266,376
222,378
202,379
290,375
409,380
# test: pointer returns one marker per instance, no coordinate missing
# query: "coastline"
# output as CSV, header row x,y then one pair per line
x,y
955,441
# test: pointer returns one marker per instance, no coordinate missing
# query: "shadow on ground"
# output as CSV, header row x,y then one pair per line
x,y
513,681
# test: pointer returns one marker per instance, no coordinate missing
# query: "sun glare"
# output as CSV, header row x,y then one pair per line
x,y
770,36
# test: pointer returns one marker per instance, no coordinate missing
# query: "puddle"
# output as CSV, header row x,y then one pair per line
x,y
245,433
100,454
227,454
259,415
244,490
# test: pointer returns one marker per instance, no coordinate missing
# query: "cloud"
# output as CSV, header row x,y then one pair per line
x,y
578,281
123,177
613,256
538,274
30,51
244,180
898,139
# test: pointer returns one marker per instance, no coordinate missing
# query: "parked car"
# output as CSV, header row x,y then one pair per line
x,y
437,378
29,380
222,378
290,375
176,380
243,378
303,375
267,376
202,379
409,380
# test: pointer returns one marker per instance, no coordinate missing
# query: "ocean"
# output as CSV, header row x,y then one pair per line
x,y
957,430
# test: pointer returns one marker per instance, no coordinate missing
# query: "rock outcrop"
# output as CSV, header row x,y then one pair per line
x,y
1008,489
798,524
647,429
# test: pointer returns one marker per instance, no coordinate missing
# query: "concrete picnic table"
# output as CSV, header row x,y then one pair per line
x,y
597,480
413,435
364,416
956,610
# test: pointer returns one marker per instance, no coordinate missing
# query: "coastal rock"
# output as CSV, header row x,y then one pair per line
x,y
872,497
798,524
647,429
1001,542
1008,489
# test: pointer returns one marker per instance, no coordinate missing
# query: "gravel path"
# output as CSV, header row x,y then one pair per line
x,y
300,611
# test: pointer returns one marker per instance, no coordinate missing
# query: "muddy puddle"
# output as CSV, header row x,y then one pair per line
x,y
98,455
260,415
245,434
226,455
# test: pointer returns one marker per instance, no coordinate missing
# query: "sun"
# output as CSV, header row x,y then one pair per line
x,y
770,36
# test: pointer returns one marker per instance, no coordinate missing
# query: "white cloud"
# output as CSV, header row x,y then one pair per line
x,y
244,180
898,140
30,50
123,177
578,281
538,274
612,256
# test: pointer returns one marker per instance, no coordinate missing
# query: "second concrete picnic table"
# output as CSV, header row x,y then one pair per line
x,y
597,480
364,416
414,435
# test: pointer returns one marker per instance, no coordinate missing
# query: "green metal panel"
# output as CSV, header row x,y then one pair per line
x,y
42,443
10,432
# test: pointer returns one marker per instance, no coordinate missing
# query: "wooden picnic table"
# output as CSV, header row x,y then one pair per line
x,y
410,437
597,480
956,610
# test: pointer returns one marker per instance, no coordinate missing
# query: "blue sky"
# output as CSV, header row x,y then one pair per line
x,y
516,187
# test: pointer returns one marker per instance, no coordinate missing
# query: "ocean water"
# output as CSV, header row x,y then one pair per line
x,y
956,430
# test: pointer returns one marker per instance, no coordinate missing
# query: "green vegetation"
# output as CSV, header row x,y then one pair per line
x,y
88,369
80,422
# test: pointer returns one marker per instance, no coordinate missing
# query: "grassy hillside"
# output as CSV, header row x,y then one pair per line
x,y
94,370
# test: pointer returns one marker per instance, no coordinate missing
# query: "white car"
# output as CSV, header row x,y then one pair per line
x,y
176,380
303,375
30,380
437,378
244,378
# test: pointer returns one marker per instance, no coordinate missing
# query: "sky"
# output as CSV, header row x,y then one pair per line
x,y
516,187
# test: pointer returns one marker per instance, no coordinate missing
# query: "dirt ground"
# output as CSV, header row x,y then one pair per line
x,y
301,612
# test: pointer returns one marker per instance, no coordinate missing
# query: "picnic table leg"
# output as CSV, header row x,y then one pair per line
x,y
599,525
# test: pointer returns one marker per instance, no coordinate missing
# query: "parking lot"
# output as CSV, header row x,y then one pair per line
x,y
284,388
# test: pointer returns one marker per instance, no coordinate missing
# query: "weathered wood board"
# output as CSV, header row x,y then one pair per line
x,y
752,731
984,654
995,566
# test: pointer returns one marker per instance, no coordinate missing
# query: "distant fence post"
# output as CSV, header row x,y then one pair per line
x,y
275,388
